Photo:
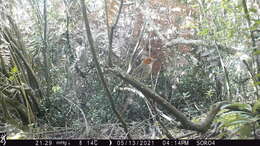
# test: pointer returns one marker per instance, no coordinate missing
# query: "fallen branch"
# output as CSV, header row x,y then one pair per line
x,y
149,93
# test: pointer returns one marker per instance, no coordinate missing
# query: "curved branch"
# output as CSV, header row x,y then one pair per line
x,y
149,93
83,114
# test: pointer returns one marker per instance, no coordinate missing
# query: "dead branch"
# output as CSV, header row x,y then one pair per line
x,y
203,126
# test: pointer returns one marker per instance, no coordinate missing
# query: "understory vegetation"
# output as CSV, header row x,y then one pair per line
x,y
130,69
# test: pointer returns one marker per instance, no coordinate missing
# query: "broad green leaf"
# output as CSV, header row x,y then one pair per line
x,y
256,83
256,52
239,106
253,10
257,22
232,116
14,70
245,131
257,75
222,111
256,107
241,122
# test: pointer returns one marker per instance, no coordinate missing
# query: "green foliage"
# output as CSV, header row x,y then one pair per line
x,y
52,111
210,93
240,119
239,107
220,24
56,89
203,32
12,73
256,107
197,85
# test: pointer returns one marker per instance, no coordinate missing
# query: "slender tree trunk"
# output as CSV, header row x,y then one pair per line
x,y
100,73
45,50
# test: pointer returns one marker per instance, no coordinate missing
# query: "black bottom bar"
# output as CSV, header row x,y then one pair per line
x,y
92,142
